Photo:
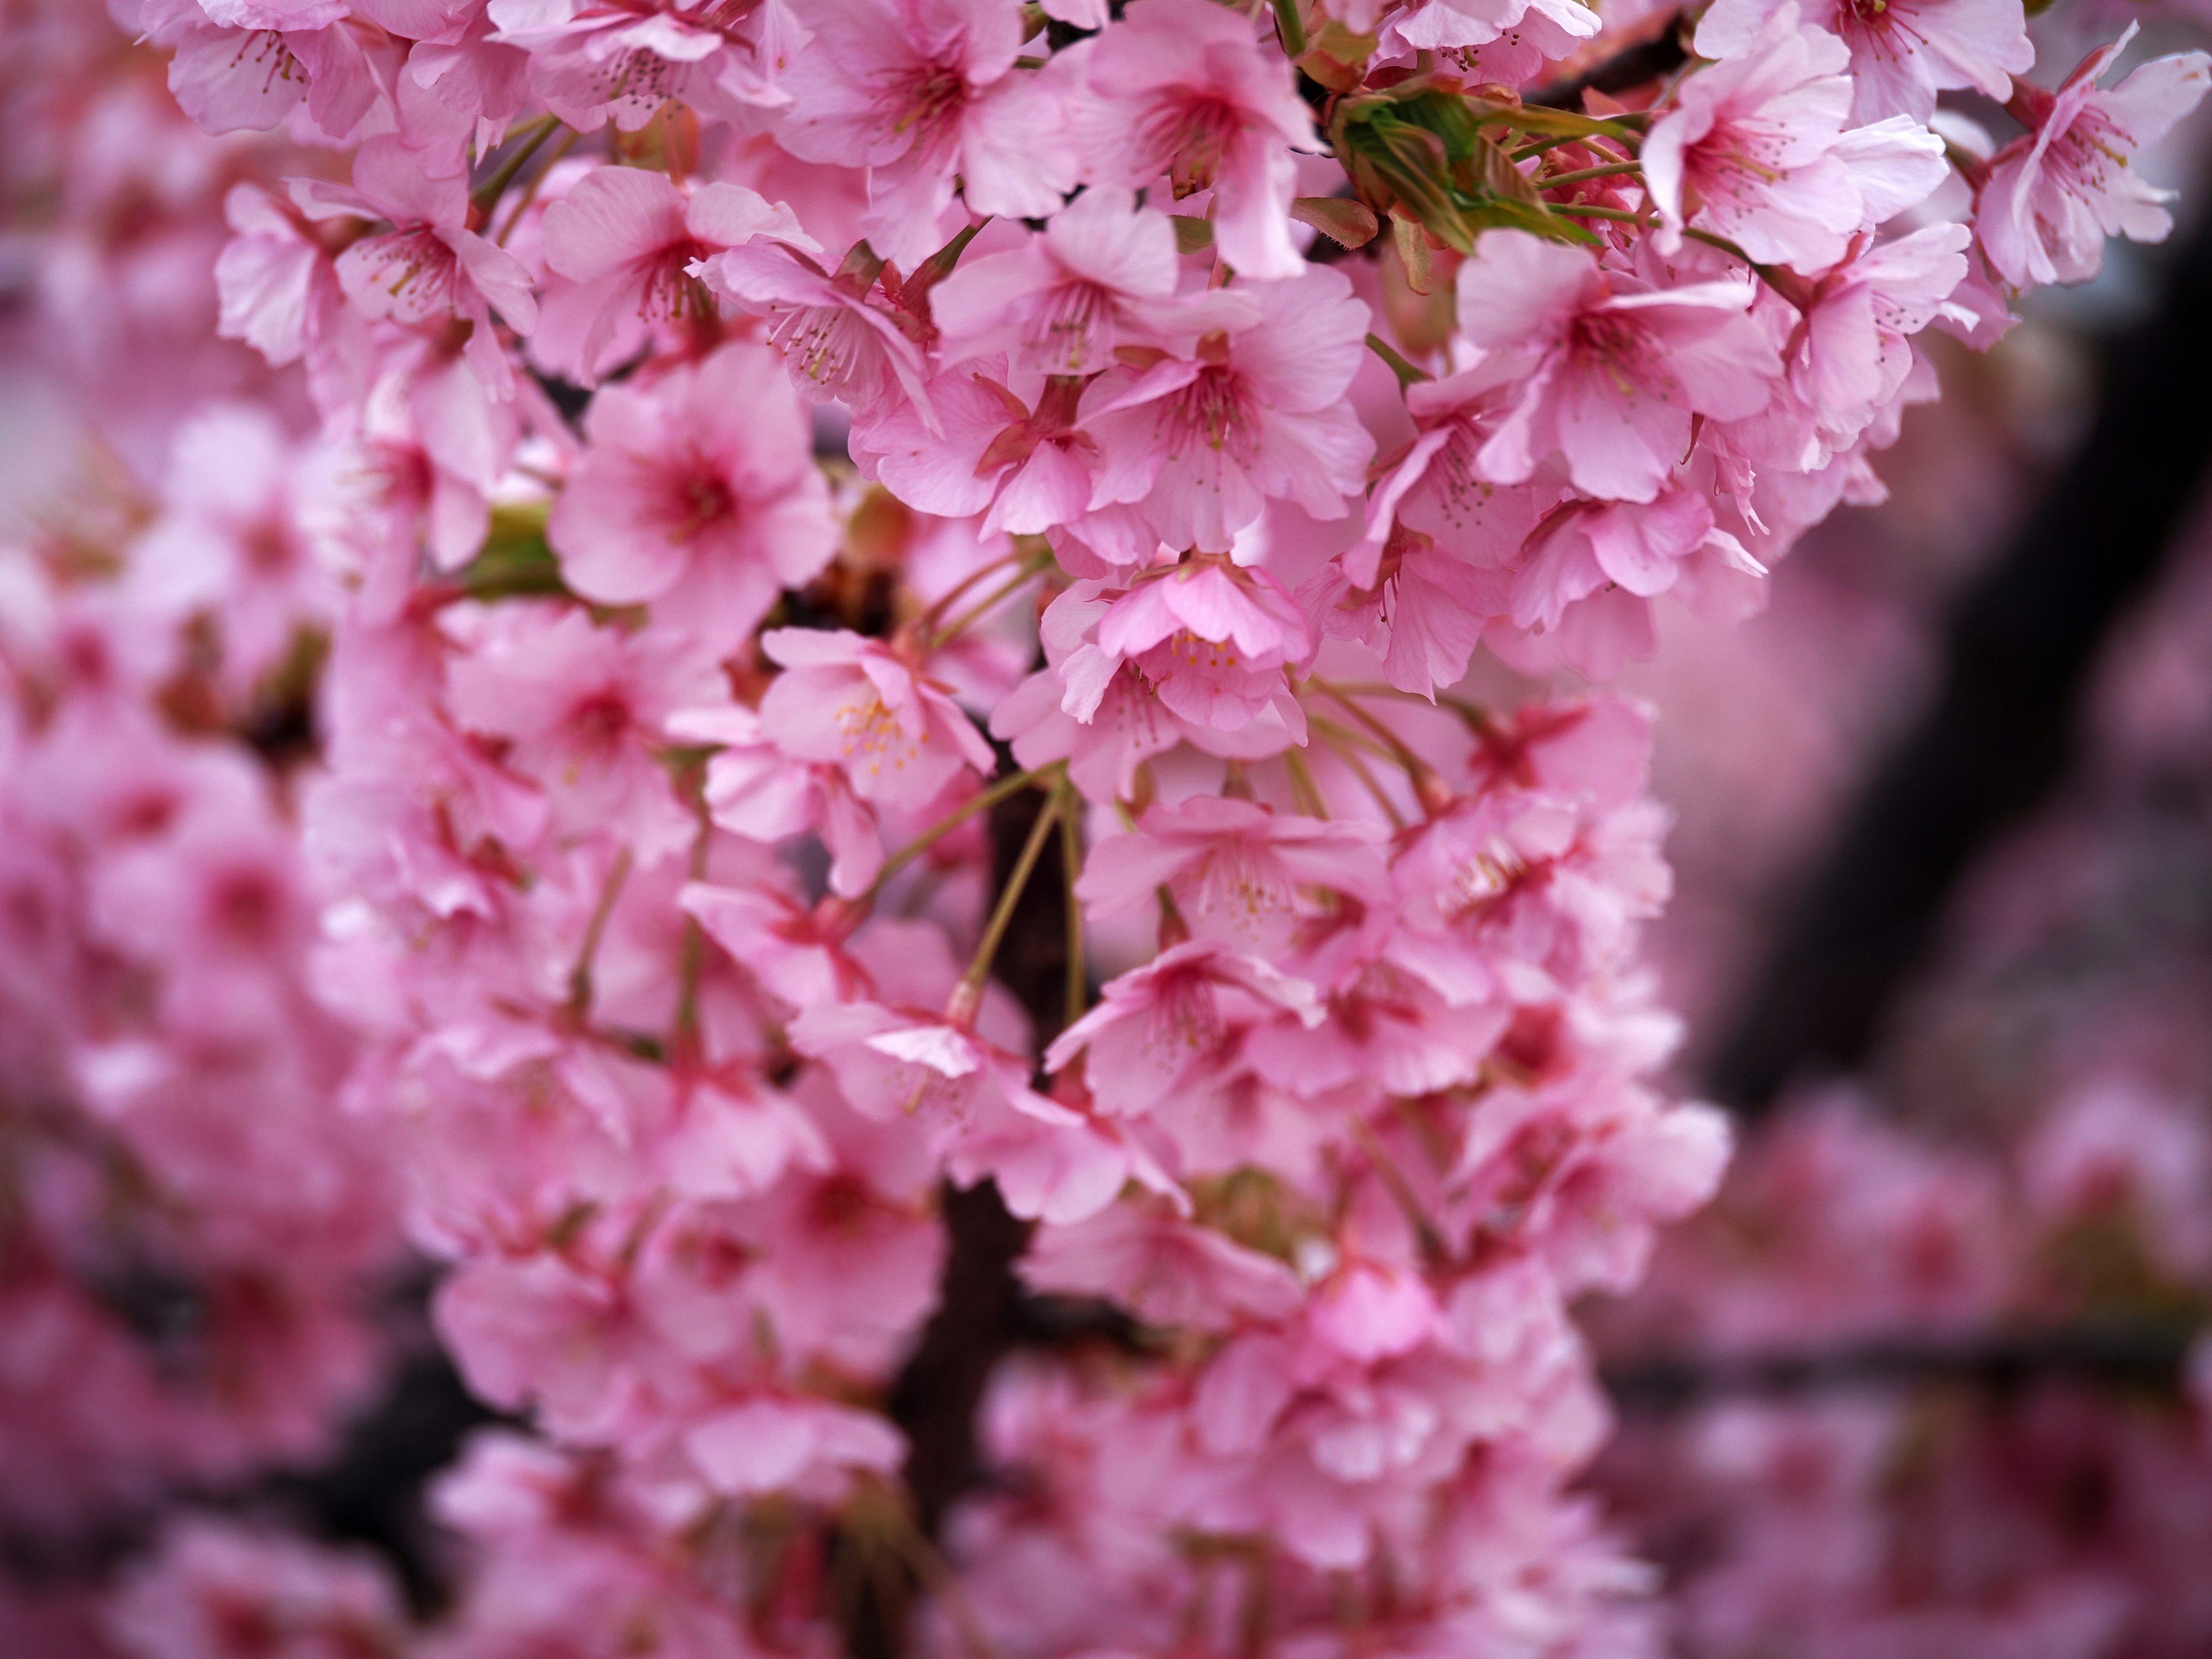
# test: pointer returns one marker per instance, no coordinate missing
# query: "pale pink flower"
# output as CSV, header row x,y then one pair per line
x,y
626,240
699,495
1592,567
281,295
1614,368
1902,51
1506,40
854,703
231,543
920,92
2057,191
1431,571
1754,150
1183,88
1198,445
594,61
1853,354
1237,871
314,63
1103,274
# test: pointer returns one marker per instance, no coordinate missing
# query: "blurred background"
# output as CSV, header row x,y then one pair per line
x,y
1924,1381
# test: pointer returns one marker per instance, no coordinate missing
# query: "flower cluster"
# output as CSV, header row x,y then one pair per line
x,y
791,475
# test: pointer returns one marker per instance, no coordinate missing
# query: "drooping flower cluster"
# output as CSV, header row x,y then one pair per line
x,y
1210,387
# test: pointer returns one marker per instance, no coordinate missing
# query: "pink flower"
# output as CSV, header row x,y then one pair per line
x,y
1613,368
975,447
429,266
1430,573
1199,445
231,543
596,60
1238,873
755,790
919,92
1162,1268
1051,1162
2057,191
1211,640
1158,1023
700,496
852,702
1753,150
626,240
1506,40
836,343
1902,51
1851,359
212,1590
585,710
1183,88
1103,274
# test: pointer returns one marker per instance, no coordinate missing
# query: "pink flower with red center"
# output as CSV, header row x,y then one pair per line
x,y
1611,369
1198,445
854,703
921,92
2056,192
585,709
624,241
1180,88
699,495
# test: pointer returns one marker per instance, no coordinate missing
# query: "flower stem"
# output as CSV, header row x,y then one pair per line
x,y
579,977
1071,863
983,801
1581,174
968,996
1406,373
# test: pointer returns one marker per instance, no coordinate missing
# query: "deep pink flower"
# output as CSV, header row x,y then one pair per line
x,y
1211,639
